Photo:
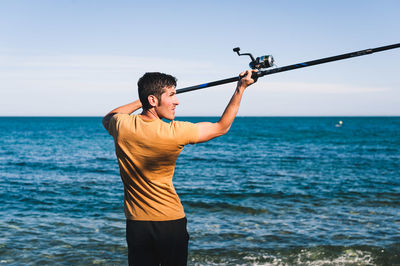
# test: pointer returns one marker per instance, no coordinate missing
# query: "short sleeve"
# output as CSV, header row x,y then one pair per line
x,y
186,132
113,124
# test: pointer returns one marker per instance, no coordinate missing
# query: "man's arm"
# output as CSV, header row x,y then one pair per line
x,y
125,109
208,130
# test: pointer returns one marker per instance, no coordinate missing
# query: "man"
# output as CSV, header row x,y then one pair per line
x,y
147,149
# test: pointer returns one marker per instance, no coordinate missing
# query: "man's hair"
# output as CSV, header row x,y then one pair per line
x,y
153,83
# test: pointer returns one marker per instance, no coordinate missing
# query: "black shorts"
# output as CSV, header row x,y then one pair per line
x,y
157,243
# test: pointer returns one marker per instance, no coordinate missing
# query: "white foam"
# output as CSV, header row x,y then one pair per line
x,y
307,257
349,256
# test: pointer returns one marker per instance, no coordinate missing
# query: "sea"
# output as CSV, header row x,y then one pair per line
x,y
273,191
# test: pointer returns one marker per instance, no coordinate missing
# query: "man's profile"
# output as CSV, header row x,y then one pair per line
x,y
147,149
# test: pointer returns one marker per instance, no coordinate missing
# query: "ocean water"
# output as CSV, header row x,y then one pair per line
x,y
273,191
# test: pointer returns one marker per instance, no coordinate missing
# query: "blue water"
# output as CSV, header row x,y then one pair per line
x,y
273,191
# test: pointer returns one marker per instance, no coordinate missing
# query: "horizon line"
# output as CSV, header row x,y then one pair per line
x,y
239,116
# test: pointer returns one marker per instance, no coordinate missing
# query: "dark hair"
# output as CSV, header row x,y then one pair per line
x,y
153,83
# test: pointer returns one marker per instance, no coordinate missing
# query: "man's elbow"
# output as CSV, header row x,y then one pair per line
x,y
222,130
105,123
106,120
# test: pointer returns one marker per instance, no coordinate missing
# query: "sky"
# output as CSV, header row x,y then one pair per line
x,y
83,58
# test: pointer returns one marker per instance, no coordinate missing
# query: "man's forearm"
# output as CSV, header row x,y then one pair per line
x,y
207,130
231,109
127,108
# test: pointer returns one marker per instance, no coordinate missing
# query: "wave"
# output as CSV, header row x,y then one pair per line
x,y
218,206
67,168
317,255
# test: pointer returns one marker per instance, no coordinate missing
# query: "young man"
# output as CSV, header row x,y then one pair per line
x,y
147,149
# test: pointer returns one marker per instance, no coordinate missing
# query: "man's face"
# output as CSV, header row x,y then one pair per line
x,y
166,109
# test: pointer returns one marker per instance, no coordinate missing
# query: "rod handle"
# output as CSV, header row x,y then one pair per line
x,y
254,76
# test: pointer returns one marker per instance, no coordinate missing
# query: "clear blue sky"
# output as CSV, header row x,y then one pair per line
x,y
61,58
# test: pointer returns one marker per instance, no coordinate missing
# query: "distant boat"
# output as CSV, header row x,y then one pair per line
x,y
339,124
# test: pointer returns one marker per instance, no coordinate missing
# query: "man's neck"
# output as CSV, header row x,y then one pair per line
x,y
150,114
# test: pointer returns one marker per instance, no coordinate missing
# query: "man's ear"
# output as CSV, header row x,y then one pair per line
x,y
153,101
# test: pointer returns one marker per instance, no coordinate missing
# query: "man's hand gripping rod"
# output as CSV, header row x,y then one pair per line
x,y
267,61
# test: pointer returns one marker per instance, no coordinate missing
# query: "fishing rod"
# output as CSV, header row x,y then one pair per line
x,y
267,61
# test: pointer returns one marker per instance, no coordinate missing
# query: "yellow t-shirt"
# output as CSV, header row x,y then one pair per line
x,y
147,153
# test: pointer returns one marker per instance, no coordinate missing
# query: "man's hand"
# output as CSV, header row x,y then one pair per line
x,y
246,79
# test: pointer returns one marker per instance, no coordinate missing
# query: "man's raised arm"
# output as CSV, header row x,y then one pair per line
x,y
125,109
208,130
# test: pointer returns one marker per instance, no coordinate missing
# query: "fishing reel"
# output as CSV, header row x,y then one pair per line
x,y
264,61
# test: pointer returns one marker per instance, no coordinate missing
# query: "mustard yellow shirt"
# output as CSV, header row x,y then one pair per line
x,y
147,152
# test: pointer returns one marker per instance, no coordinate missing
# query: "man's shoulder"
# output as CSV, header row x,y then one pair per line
x,y
181,123
115,116
122,116
176,124
186,131
113,121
